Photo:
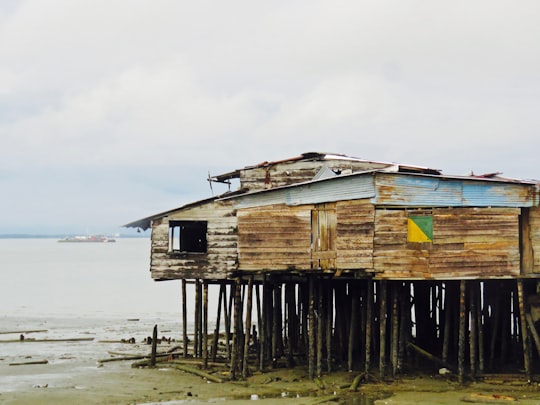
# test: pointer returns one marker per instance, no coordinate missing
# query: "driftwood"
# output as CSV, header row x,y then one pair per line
x,y
26,363
354,385
429,356
108,360
488,398
22,331
46,340
199,373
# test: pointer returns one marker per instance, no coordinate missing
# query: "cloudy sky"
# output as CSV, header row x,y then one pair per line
x,y
113,110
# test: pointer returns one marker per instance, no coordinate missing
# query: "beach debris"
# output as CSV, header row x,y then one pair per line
x,y
41,386
32,340
488,398
198,372
8,332
254,397
354,385
26,363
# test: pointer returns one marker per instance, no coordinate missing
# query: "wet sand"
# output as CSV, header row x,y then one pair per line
x,y
121,384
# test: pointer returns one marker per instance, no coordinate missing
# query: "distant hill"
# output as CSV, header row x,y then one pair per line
x,y
38,236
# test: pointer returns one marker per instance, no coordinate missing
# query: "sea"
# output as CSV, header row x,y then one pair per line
x,y
93,293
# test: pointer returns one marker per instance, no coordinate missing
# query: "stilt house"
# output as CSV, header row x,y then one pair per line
x,y
367,265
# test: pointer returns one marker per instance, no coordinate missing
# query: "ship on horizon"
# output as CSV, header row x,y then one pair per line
x,y
87,239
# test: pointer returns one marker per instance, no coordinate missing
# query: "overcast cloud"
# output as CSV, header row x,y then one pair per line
x,y
114,110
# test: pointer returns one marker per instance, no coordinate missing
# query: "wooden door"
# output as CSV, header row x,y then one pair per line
x,y
323,237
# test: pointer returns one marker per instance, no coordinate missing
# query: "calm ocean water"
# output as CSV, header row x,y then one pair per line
x,y
77,291
43,277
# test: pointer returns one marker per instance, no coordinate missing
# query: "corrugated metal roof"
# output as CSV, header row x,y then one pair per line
x,y
319,156
400,189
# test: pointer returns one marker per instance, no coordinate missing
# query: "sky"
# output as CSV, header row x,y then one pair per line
x,y
114,110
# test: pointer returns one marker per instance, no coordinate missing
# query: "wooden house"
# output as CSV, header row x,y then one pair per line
x,y
356,257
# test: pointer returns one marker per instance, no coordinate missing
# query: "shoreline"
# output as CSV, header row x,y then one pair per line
x,y
119,383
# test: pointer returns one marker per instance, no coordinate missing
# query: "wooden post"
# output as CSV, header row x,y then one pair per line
x,y
382,329
196,335
184,318
448,306
154,347
236,322
523,328
320,327
395,328
495,321
473,329
227,314
261,328
480,325
311,329
369,322
248,328
462,331
329,321
352,330
205,325
218,321
291,322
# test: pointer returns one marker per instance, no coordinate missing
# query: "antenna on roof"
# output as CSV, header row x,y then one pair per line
x,y
210,182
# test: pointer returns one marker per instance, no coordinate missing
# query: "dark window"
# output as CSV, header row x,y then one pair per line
x,y
187,236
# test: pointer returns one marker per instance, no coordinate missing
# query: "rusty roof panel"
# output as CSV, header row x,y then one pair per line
x,y
341,188
437,191
418,191
497,194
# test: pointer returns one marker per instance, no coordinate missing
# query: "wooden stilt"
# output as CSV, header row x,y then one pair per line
x,y
352,329
523,330
404,323
328,324
184,318
215,341
196,334
449,298
260,326
205,325
382,328
462,331
291,322
236,322
473,329
320,326
227,314
275,324
249,308
495,320
311,329
395,328
480,325
369,323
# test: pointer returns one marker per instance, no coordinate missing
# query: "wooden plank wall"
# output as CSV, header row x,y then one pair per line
x,y
221,257
274,237
467,243
284,174
534,237
354,236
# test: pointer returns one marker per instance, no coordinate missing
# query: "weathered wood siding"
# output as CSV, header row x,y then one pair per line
x,y
533,232
287,173
354,236
221,257
467,243
275,237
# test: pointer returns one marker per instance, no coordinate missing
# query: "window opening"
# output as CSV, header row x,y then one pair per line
x,y
187,236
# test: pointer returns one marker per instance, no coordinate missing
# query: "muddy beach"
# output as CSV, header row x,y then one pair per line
x,y
119,383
